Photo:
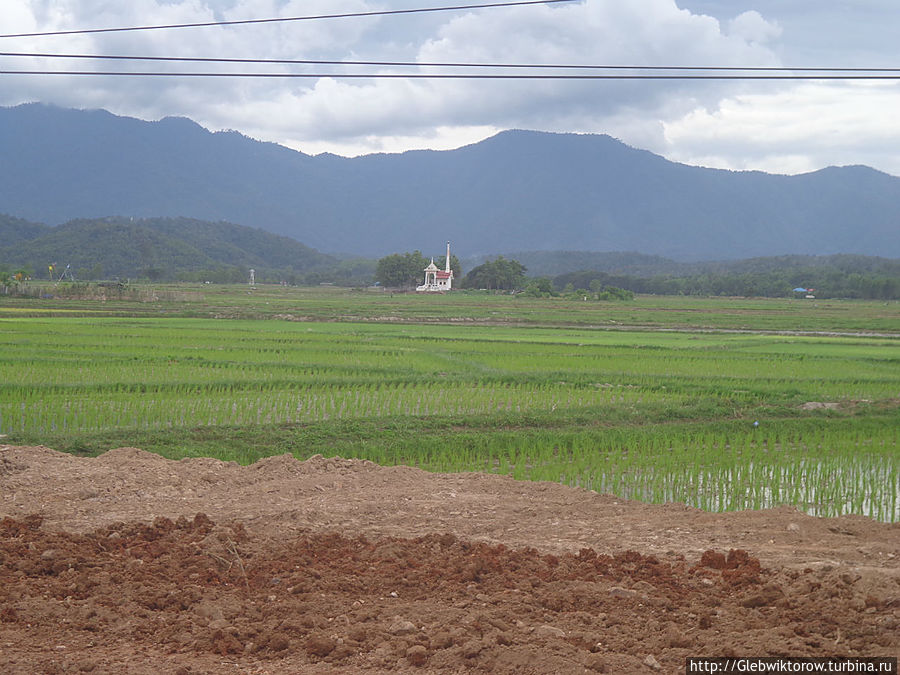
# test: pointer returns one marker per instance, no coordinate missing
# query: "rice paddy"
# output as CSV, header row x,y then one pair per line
x,y
712,419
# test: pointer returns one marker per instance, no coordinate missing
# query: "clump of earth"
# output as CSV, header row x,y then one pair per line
x,y
129,562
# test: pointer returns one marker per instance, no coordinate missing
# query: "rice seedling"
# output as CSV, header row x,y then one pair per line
x,y
643,415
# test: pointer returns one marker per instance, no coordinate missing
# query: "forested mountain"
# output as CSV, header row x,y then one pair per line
x,y
15,230
519,190
158,248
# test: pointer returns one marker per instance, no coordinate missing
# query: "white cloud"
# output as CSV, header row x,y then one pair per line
x,y
797,129
752,27
438,138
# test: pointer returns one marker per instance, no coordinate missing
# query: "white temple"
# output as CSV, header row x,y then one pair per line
x,y
435,279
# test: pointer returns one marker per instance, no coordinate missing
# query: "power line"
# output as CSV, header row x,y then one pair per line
x,y
419,64
244,22
452,76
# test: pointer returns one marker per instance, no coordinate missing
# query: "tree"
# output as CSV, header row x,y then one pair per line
x,y
615,293
455,265
501,274
153,272
542,287
401,270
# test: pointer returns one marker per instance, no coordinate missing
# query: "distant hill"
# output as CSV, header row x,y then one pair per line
x,y
155,247
519,190
556,263
15,230
553,263
834,276
190,249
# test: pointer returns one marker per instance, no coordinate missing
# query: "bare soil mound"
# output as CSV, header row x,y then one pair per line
x,y
133,563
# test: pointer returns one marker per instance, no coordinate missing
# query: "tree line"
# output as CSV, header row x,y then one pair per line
x,y
842,277
822,282
831,277
406,270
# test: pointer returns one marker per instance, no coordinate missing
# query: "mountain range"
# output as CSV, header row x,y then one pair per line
x,y
519,190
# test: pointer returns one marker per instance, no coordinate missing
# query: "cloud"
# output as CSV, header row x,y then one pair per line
x,y
753,28
797,129
720,123
597,32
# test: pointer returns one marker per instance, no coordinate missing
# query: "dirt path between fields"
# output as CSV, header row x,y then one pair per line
x,y
131,563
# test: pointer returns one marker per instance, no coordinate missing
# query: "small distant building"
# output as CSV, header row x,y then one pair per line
x,y
437,280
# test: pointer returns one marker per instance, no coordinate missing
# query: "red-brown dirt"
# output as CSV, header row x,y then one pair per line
x,y
130,563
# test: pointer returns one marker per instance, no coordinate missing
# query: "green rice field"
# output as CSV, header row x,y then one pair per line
x,y
722,404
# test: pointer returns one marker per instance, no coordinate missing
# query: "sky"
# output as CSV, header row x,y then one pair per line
x,y
785,127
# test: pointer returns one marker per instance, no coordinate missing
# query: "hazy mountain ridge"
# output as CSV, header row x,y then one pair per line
x,y
629,263
518,190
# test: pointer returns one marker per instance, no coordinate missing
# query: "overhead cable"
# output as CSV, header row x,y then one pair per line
x,y
455,76
244,22
421,64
